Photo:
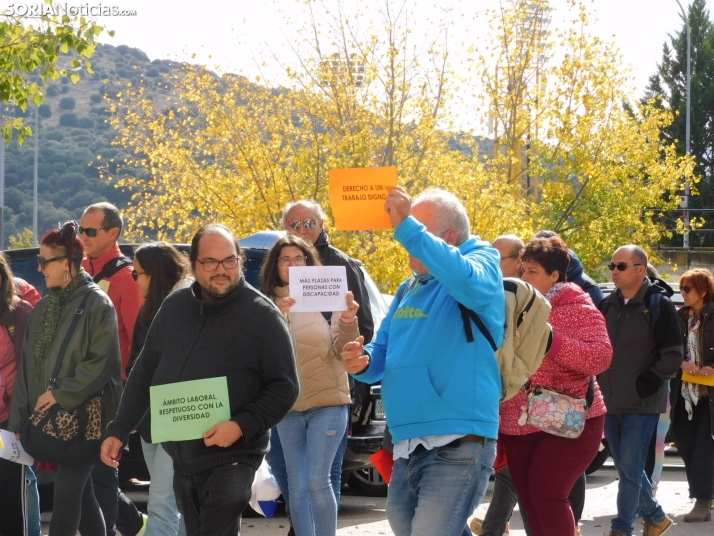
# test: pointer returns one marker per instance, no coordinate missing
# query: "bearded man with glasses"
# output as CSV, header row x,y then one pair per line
x,y
647,352
219,327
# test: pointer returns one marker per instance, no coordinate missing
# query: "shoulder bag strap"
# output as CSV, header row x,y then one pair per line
x,y
591,393
112,266
65,343
467,315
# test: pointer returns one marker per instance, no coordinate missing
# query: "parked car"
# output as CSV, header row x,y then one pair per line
x,y
368,419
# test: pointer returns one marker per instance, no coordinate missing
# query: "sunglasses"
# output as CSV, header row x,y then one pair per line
x,y
135,275
299,260
44,262
686,289
294,225
89,231
622,266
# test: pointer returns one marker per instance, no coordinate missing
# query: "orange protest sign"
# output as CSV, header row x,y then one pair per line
x,y
698,378
357,197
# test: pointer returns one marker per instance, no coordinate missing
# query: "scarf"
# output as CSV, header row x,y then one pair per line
x,y
552,291
690,391
50,320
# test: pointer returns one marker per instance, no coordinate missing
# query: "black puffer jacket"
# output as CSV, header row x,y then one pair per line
x,y
706,344
584,281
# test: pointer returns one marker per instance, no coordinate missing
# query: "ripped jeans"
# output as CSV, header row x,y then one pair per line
x,y
310,440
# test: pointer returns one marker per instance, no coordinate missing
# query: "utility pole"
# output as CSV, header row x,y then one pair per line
x,y
7,112
687,192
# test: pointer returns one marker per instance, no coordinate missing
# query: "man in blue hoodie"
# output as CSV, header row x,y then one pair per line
x,y
440,392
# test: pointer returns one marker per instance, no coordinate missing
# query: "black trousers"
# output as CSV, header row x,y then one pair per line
x,y
11,477
74,499
119,512
212,501
696,447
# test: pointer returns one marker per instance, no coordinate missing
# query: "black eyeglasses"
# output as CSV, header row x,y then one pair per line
x,y
90,232
510,257
135,275
43,262
621,266
211,266
686,289
294,225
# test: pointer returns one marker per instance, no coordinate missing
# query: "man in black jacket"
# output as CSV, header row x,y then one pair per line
x,y
220,326
647,352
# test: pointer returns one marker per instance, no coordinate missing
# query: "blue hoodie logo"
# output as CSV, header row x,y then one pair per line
x,y
409,312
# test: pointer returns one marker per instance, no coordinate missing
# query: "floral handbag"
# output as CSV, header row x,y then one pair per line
x,y
559,414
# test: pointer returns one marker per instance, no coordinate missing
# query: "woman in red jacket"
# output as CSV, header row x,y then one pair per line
x,y
544,467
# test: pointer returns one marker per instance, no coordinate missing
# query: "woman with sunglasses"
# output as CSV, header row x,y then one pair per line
x,y
692,402
544,467
312,431
159,269
91,364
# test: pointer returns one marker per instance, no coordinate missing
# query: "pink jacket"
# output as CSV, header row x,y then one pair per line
x,y
10,352
581,348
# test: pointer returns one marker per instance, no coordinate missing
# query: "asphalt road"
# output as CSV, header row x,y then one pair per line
x,y
366,516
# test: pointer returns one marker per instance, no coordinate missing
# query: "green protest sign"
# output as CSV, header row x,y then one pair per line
x,y
186,410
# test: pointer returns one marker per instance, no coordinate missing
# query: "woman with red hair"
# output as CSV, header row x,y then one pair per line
x,y
90,366
692,402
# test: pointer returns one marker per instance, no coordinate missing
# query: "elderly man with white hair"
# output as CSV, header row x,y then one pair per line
x,y
440,391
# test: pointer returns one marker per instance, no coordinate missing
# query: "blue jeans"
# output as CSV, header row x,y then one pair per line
x,y
336,470
276,461
433,493
628,436
314,437
164,518
32,495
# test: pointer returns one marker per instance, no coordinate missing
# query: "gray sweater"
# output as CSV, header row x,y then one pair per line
x,y
241,336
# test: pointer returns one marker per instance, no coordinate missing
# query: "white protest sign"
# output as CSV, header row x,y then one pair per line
x,y
318,288
11,449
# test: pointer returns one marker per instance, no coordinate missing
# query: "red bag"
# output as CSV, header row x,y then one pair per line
x,y
384,463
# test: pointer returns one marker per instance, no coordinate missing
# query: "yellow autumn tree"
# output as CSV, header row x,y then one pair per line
x,y
576,157
234,151
374,93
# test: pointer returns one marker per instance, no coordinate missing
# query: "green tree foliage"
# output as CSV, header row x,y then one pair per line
x,y
45,110
68,120
668,85
67,103
36,44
